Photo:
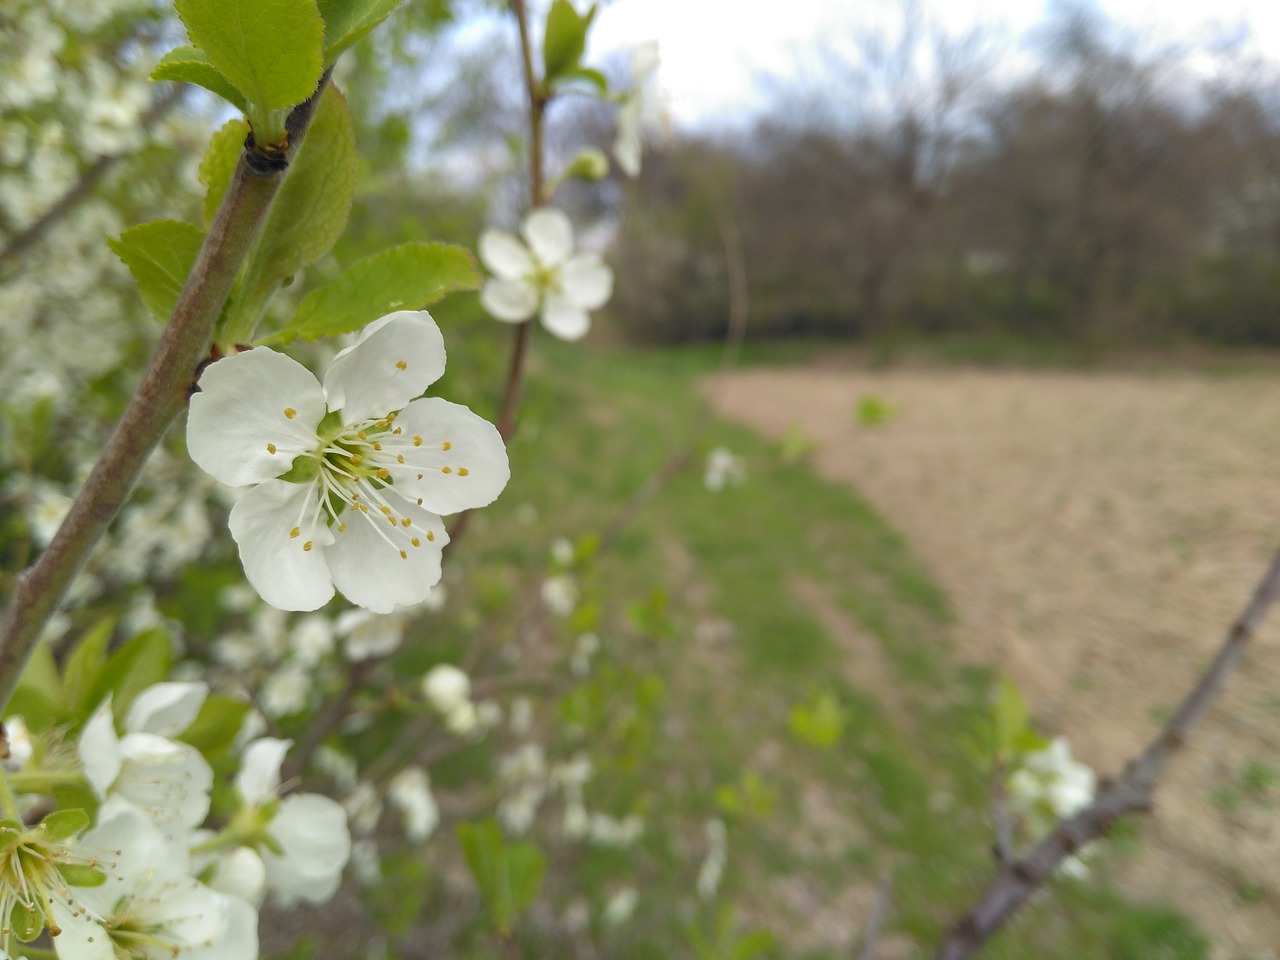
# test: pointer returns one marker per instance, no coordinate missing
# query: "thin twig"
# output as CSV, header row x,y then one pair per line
x,y
1131,792
83,187
879,911
160,396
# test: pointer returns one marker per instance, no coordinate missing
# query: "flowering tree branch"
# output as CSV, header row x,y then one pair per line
x,y
160,396
83,188
1131,792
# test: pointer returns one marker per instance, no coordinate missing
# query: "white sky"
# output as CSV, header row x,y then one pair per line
x,y
713,50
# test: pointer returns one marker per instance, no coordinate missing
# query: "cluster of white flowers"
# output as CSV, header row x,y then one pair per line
x,y
724,469
1049,785
148,879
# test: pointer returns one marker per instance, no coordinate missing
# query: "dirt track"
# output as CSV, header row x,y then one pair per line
x,y
1096,533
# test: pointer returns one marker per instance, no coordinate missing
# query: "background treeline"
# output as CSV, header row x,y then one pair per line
x,y
925,184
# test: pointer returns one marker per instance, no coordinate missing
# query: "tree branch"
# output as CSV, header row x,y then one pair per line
x,y
1131,792
159,398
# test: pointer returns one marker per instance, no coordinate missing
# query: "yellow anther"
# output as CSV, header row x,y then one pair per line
x,y
416,542
306,546
342,527
399,458
401,365
391,417
406,522
271,448
391,520
463,471
404,555
362,435
290,413
294,532
419,476
385,509
398,430
356,458
417,441
446,445
431,536
377,446
419,501
446,469
382,473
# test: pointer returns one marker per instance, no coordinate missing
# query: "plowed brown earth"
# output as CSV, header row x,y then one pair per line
x,y
1096,534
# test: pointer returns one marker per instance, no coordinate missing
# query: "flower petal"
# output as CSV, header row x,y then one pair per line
x,y
242,413
565,319
509,300
259,775
166,708
453,439
396,358
628,144
586,281
283,571
504,255
313,835
99,749
550,235
377,566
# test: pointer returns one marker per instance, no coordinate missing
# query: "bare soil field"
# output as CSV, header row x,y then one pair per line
x,y
1097,533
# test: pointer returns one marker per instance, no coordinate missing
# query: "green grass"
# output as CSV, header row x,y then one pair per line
x,y
900,794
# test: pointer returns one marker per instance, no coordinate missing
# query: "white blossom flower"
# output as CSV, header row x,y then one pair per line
x,y
286,690
638,108
712,870
165,779
724,469
311,639
446,688
21,744
543,275
410,792
621,906
303,838
148,906
1050,781
366,635
560,594
349,478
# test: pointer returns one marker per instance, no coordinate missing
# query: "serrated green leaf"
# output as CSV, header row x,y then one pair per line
x,y
160,255
563,41
216,725
84,666
219,164
62,824
269,50
346,21
406,277
308,215
80,875
138,664
190,65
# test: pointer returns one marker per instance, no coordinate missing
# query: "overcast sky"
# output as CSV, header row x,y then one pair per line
x,y
713,50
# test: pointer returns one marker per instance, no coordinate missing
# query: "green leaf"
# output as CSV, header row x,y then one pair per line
x,y
138,664
507,875
1012,719
270,50
84,667
219,164
190,65
216,725
38,696
62,824
587,74
346,21
406,277
308,215
79,875
564,40
160,255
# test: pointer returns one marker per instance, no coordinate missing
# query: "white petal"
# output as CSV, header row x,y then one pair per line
x,y
565,319
366,563
284,573
167,780
241,874
586,281
627,145
238,939
644,60
99,749
259,775
312,833
504,255
509,300
396,358
550,235
166,708
242,407
476,457
83,937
